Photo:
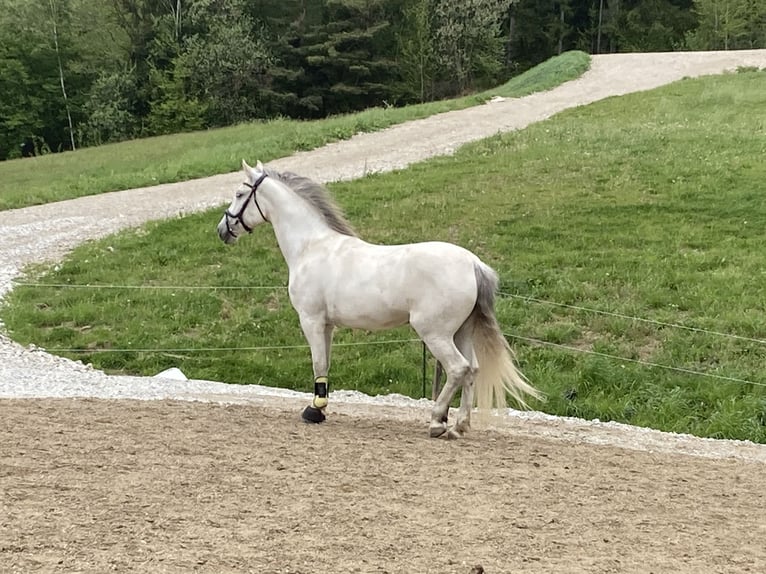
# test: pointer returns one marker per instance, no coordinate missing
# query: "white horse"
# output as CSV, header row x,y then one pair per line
x,y
443,291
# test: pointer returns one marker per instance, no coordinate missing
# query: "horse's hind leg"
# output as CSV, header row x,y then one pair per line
x,y
457,368
464,342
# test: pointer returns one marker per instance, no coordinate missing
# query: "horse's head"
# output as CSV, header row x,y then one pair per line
x,y
244,213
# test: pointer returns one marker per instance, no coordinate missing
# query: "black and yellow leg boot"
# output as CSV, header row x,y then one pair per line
x,y
314,413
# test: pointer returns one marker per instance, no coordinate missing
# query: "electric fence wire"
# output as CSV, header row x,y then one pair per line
x,y
400,341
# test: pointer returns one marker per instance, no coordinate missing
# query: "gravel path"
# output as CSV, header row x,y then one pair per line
x,y
47,232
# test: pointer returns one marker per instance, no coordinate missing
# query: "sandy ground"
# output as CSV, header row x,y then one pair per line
x,y
99,485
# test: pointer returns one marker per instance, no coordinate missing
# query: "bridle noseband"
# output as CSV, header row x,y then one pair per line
x,y
238,216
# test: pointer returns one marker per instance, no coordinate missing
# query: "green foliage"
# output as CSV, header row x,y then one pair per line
x,y
467,40
221,66
31,104
108,109
29,78
197,64
728,25
539,29
646,205
654,26
172,109
417,50
645,26
17,122
345,60
174,158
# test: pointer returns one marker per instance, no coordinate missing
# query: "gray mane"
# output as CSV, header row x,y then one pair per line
x,y
318,197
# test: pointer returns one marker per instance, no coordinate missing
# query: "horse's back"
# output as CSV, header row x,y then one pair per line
x,y
427,264
369,286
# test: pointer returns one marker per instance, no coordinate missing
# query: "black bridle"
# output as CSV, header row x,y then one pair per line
x,y
238,216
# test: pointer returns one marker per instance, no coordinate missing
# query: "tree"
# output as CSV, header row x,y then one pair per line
x,y
468,40
285,25
755,28
540,29
107,111
354,56
417,49
218,75
20,110
655,25
150,44
31,103
338,60
54,20
34,60
728,25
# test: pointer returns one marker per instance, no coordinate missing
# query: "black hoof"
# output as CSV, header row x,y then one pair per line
x,y
313,415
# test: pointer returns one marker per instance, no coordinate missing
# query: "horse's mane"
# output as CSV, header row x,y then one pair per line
x,y
317,196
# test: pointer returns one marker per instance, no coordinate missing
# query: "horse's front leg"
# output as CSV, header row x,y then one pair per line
x,y
319,336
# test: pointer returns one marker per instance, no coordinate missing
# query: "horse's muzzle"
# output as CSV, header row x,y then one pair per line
x,y
224,232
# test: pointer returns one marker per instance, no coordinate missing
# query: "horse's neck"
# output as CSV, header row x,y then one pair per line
x,y
296,224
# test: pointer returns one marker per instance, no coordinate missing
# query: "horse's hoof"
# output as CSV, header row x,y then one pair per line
x,y
313,415
437,430
453,434
462,428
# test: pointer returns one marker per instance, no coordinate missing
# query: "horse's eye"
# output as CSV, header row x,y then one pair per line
x,y
240,194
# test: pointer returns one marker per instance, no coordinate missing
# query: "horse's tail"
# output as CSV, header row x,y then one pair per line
x,y
498,373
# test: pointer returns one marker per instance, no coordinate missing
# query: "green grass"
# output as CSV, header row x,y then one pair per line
x,y
181,157
649,205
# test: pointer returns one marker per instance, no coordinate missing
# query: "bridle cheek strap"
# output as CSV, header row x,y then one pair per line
x,y
238,215
253,187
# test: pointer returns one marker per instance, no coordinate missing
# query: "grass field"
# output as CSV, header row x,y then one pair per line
x,y
648,205
181,157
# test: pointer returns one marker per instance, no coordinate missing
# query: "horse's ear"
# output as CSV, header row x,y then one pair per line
x,y
259,165
246,168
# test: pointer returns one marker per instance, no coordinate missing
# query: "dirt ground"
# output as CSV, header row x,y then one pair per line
x,y
151,486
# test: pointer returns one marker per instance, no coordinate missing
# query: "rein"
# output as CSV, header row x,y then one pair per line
x,y
238,216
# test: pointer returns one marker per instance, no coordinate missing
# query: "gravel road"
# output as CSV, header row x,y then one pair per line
x,y
48,232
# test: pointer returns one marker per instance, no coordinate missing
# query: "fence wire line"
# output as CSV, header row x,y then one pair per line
x,y
637,361
155,287
397,341
221,349
503,294
632,318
